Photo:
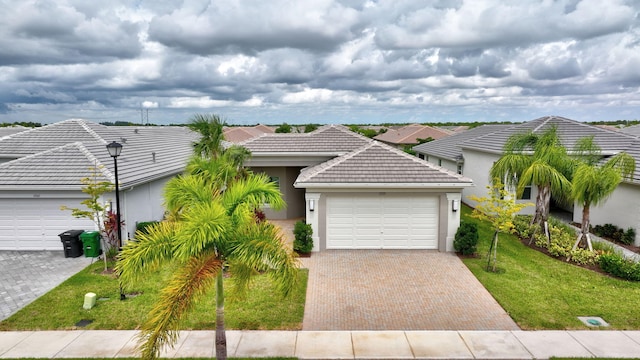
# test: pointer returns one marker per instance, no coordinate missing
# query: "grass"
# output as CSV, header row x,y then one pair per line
x,y
61,308
540,292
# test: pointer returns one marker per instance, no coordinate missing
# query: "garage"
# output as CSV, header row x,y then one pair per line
x,y
382,221
34,223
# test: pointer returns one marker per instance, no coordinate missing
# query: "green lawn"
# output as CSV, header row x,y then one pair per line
x,y
540,292
61,308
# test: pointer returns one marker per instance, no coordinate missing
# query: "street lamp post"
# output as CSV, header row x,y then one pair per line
x,y
115,149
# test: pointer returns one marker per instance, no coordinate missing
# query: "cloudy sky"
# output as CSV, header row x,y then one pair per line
x,y
322,61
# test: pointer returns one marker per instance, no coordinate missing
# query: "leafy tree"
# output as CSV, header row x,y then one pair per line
x,y
595,180
540,160
310,127
499,209
284,128
93,207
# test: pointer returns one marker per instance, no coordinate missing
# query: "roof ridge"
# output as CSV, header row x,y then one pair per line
x,y
99,165
333,162
86,127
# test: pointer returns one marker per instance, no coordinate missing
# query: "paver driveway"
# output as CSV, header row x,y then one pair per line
x,y
397,290
27,275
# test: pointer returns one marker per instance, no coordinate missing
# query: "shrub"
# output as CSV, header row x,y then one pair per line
x,y
466,239
629,237
303,242
616,265
142,226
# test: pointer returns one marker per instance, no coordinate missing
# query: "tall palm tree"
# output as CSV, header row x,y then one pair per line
x,y
210,127
594,179
540,160
208,228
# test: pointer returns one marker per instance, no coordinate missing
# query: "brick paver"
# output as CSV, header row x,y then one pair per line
x,y
397,290
27,275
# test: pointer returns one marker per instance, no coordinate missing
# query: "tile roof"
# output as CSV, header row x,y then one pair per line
x,y
449,147
411,133
240,134
10,130
631,130
329,139
377,163
71,147
569,132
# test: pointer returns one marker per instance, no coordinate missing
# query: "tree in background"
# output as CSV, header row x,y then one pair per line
x,y
540,160
283,129
498,208
594,180
310,127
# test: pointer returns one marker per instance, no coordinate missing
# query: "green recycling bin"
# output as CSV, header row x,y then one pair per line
x,y
91,243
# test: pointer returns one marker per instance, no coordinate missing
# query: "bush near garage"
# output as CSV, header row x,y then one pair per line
x,y
466,238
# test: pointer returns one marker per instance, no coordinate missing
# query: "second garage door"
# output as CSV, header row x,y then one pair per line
x,y
382,221
34,224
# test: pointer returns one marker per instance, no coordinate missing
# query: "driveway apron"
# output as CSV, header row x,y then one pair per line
x,y
397,290
27,275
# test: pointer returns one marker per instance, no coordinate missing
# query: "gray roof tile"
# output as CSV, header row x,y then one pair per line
x,y
449,147
332,139
377,163
569,132
71,147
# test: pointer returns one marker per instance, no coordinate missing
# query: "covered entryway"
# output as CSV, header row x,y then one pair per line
x,y
382,221
34,223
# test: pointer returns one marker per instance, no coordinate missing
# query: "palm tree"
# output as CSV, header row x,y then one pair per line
x,y
208,228
210,127
595,180
540,160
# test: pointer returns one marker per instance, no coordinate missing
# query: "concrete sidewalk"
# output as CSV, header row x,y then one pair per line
x,y
333,344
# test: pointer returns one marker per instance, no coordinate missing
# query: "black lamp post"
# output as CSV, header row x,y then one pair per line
x,y
114,150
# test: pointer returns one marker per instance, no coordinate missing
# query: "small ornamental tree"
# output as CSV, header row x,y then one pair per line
x,y
499,209
94,209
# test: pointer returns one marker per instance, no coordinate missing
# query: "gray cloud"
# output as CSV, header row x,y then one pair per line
x,y
320,59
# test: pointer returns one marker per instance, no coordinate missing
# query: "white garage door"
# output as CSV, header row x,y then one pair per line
x,y
34,224
382,221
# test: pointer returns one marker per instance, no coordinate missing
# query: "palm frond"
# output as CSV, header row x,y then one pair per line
x,y
187,285
254,190
542,174
509,168
210,127
183,191
623,163
203,226
147,252
261,247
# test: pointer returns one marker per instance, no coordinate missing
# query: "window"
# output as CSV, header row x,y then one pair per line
x,y
460,169
276,180
439,162
421,156
526,194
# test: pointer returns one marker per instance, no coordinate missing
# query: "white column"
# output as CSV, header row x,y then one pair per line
x,y
312,201
453,221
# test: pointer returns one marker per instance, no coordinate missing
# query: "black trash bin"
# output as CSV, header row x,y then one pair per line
x,y
71,243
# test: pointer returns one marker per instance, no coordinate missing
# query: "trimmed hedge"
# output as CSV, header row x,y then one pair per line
x,y
617,265
466,239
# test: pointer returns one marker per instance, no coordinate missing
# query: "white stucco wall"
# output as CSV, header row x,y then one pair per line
x,y
622,209
477,166
140,203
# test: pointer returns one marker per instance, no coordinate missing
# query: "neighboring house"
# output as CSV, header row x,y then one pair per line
x,y
242,133
477,153
10,130
631,130
411,135
447,152
43,166
358,193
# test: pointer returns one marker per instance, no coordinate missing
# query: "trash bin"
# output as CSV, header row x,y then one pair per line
x,y
71,243
91,243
